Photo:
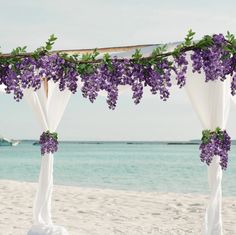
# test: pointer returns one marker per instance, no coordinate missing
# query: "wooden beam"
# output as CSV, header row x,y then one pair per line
x,y
45,84
105,49
84,51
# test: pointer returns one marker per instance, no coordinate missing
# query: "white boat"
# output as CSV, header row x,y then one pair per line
x,y
8,142
15,142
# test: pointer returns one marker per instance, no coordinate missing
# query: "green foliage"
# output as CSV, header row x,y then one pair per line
x,y
231,45
137,55
85,68
219,133
207,134
178,50
72,58
107,61
188,42
45,49
53,135
106,58
231,38
159,50
90,56
205,42
64,56
18,50
87,63
157,55
189,38
50,42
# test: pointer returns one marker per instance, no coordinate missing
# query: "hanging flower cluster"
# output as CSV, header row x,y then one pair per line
x,y
215,61
215,56
215,143
29,72
48,142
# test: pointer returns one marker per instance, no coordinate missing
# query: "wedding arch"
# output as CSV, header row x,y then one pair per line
x,y
205,69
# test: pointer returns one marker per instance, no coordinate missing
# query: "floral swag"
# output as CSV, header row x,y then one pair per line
x,y
215,56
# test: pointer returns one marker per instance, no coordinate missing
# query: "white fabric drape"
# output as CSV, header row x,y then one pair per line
x,y
2,88
49,111
211,101
233,98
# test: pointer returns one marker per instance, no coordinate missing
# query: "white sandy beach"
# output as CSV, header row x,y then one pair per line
x,y
88,211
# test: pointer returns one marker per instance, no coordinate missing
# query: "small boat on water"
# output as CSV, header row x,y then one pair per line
x,y
36,143
8,142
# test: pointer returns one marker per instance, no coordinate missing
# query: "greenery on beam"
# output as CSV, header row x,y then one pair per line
x,y
86,63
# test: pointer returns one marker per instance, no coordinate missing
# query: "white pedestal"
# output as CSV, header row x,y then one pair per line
x,y
47,230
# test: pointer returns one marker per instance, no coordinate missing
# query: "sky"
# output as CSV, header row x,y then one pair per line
x,y
104,23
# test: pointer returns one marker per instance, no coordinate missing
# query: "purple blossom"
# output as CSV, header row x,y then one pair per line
x,y
159,79
180,69
48,142
216,144
214,60
233,85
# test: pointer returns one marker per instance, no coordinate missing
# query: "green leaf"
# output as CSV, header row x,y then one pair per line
x,y
107,58
137,55
18,50
48,46
177,50
189,38
230,37
159,50
206,135
95,54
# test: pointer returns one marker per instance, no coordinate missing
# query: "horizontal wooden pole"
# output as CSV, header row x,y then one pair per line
x,y
84,51
106,49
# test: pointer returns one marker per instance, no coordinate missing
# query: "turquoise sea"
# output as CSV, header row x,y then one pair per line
x,y
141,166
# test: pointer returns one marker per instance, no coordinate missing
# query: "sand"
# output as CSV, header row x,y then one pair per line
x,y
90,211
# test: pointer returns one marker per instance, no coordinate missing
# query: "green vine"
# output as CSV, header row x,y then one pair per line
x,y
87,63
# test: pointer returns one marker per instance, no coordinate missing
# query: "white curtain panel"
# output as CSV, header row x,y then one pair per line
x,y
233,98
49,111
211,101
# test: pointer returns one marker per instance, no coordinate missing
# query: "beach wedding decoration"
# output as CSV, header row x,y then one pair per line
x,y
215,143
206,69
48,142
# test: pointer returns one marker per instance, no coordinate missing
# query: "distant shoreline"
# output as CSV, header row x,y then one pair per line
x,y
195,142
190,142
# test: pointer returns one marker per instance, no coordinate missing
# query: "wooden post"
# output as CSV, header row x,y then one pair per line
x,y
45,84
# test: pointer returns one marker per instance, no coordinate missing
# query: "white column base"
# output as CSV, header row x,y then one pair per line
x,y
47,230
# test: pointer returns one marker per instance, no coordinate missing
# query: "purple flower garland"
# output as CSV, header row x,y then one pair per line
x,y
215,60
48,142
215,56
215,143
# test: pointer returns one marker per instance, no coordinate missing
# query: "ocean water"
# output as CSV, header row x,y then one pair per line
x,y
140,167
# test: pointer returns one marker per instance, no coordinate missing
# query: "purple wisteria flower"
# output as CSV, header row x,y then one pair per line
x,y
29,73
48,142
215,143
213,60
180,68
